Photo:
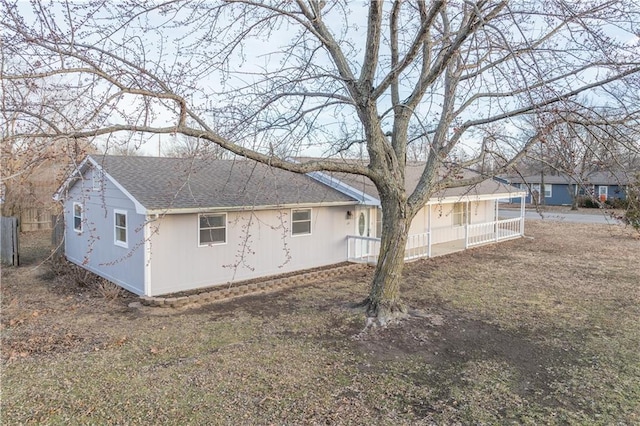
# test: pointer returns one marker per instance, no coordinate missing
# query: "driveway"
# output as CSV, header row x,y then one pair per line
x,y
596,216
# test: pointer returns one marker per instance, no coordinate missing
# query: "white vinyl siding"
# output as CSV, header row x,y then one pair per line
x,y
259,244
301,222
77,217
212,229
120,227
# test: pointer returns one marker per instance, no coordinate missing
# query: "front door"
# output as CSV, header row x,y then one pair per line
x,y
602,193
363,229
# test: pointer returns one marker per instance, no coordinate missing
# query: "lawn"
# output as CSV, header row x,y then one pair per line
x,y
540,330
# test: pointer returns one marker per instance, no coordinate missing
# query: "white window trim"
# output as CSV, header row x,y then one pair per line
x,y
226,236
310,222
79,231
535,187
117,242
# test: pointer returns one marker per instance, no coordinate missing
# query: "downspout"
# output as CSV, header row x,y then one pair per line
x,y
147,255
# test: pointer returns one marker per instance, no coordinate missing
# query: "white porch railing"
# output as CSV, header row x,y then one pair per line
x,y
366,249
510,228
362,249
480,233
417,246
484,233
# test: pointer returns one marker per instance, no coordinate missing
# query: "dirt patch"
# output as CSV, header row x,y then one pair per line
x,y
454,340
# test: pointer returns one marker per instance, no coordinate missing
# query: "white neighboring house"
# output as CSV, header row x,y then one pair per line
x,y
163,225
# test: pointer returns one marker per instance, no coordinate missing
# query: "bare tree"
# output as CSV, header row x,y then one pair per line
x,y
587,141
186,147
267,79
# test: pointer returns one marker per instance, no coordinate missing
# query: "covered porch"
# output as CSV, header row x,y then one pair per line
x,y
440,240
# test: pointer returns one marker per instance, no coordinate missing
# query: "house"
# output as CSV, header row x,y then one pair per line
x,y
163,225
559,189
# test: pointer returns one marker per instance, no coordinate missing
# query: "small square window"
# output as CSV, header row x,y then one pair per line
x,y
301,222
212,229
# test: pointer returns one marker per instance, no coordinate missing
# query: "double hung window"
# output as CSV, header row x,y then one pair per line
x,y
212,229
301,222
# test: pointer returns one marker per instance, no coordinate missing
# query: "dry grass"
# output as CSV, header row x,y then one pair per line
x,y
533,331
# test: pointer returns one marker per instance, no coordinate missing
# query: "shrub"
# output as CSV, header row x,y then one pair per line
x,y
632,213
585,201
85,279
109,290
617,203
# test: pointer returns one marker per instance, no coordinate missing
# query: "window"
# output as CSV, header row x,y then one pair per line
x,y
361,224
77,217
301,222
459,214
98,177
535,187
120,228
213,229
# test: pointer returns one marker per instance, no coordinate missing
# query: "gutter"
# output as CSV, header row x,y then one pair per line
x,y
191,210
482,197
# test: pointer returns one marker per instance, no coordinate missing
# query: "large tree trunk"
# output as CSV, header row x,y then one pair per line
x,y
383,303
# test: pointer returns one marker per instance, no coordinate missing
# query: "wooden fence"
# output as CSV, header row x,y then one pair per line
x,y
9,244
35,219
57,236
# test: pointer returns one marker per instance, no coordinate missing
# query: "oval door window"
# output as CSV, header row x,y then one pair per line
x,y
361,224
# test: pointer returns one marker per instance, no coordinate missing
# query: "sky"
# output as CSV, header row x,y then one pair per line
x,y
250,64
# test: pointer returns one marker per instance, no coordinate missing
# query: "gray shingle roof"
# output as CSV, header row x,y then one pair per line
x,y
177,183
592,178
413,173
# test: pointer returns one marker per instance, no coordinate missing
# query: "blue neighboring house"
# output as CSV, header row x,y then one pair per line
x,y
558,188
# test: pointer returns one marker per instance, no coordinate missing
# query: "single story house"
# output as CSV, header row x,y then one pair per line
x,y
560,188
163,225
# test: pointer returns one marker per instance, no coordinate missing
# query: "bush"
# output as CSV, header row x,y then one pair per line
x,y
632,212
617,203
587,202
85,279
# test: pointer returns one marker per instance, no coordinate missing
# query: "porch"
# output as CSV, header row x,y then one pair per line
x,y
439,241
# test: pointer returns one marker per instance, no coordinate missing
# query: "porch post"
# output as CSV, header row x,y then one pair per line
x,y
428,230
522,213
466,235
495,220
466,227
